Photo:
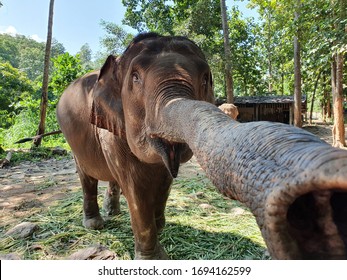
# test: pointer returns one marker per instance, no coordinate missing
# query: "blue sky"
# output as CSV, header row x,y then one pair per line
x,y
75,22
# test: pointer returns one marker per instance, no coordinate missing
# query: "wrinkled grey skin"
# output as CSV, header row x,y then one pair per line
x,y
294,183
133,122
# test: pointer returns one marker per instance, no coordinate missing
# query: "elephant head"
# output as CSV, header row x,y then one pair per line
x,y
152,70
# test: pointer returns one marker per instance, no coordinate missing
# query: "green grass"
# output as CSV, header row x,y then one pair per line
x,y
191,232
200,224
34,154
61,232
213,232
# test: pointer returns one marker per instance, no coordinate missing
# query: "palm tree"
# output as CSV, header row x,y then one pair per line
x,y
44,97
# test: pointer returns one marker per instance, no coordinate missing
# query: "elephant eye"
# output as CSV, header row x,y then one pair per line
x,y
205,80
136,77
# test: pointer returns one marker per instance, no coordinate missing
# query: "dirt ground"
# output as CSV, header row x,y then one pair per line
x,y
29,186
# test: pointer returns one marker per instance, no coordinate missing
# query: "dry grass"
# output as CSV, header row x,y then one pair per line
x,y
200,224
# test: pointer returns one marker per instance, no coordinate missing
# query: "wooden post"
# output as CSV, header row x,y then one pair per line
x,y
291,114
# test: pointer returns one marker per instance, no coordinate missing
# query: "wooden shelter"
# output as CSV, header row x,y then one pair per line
x,y
268,108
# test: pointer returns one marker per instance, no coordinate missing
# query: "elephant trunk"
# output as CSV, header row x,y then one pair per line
x,y
294,183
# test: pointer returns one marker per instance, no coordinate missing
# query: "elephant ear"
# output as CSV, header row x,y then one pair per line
x,y
107,108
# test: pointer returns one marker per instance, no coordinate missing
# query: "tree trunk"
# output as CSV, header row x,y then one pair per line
x,y
44,96
294,183
314,95
269,51
228,68
282,83
337,90
328,99
297,73
270,88
337,80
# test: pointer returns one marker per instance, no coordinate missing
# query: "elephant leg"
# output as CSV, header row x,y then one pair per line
x,y
147,220
111,199
160,213
92,218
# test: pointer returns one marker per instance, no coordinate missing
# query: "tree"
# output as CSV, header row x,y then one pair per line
x,y
116,39
14,85
27,54
57,48
114,42
154,15
85,55
44,98
337,77
246,63
227,52
297,69
269,32
199,20
9,50
66,68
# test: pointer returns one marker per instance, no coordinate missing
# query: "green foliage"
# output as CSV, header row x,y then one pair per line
x,y
246,62
320,32
34,154
14,84
66,68
25,122
25,125
276,43
201,21
26,54
201,24
114,42
198,20
153,15
21,68
85,55
116,39
262,50
9,50
26,104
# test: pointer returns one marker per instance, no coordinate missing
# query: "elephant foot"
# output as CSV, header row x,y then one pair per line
x,y
93,223
111,204
157,254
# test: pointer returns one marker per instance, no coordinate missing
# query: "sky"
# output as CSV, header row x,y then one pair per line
x,y
75,22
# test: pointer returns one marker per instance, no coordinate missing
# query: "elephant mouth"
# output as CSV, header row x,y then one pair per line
x,y
170,153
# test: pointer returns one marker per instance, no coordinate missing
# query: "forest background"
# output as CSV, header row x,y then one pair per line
x,y
262,55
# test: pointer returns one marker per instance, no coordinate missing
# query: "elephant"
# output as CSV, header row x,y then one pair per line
x,y
107,122
133,122
230,109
